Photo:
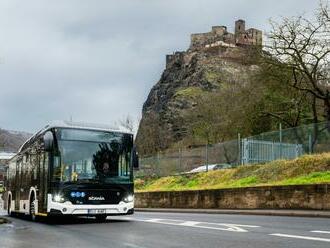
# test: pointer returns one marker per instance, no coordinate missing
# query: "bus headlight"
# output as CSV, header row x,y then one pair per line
x,y
58,198
129,198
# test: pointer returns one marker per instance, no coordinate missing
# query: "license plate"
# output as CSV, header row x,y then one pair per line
x,y
96,211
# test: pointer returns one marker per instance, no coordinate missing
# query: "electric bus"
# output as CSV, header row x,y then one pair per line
x,y
73,169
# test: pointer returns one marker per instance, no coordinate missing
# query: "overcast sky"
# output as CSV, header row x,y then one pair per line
x,y
96,60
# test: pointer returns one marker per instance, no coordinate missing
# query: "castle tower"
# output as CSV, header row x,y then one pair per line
x,y
239,27
219,30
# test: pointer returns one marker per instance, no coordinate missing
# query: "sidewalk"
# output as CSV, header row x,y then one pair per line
x,y
272,212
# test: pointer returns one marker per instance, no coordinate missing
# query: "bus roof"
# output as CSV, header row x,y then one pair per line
x,y
77,125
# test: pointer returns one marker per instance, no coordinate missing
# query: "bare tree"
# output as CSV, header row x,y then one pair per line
x,y
302,46
127,122
324,12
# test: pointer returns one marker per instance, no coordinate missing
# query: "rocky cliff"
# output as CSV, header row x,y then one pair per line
x,y
188,76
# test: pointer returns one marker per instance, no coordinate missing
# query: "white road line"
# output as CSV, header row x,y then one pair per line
x,y
196,224
189,223
299,237
133,245
212,223
317,231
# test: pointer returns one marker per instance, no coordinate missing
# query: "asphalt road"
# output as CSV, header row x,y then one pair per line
x,y
157,230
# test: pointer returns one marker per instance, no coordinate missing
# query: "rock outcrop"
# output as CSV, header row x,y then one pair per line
x,y
188,75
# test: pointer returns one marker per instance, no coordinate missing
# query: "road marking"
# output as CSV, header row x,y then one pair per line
x,y
317,231
189,223
133,245
299,237
197,224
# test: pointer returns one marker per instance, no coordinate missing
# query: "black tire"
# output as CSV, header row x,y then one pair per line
x,y
32,209
101,218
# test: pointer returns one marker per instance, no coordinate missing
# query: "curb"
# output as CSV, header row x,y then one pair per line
x,y
269,212
3,221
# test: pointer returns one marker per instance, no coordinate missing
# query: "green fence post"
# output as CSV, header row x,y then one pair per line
x,y
180,159
239,159
207,156
310,143
158,162
280,140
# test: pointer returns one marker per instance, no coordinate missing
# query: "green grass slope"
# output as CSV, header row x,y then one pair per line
x,y
308,169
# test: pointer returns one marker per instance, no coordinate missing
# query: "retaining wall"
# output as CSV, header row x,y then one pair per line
x,y
270,197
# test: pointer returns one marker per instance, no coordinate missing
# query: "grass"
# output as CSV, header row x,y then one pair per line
x,y
213,77
308,169
190,92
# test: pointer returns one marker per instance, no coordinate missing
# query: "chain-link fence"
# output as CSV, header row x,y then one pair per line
x,y
282,144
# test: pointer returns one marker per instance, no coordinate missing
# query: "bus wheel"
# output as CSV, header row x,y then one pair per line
x,y
101,218
32,208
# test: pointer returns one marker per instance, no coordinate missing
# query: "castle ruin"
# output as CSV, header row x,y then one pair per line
x,y
219,36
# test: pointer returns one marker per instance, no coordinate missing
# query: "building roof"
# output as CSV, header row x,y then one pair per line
x,y
6,155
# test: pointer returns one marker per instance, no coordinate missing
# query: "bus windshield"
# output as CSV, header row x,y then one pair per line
x,y
92,156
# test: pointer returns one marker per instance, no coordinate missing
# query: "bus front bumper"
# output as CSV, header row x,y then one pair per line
x,y
67,208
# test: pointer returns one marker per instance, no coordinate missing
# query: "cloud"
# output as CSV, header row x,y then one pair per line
x,y
97,60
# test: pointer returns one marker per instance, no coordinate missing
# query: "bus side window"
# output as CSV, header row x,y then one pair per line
x,y
57,168
34,166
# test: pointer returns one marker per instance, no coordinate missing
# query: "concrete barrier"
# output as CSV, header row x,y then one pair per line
x,y
315,197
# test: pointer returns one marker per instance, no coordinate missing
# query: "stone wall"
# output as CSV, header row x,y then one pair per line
x,y
278,197
198,41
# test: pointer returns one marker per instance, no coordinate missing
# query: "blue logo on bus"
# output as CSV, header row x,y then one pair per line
x,y
78,194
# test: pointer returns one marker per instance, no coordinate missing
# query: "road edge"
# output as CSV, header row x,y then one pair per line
x,y
4,220
270,212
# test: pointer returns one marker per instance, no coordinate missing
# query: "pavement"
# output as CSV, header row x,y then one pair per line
x,y
163,229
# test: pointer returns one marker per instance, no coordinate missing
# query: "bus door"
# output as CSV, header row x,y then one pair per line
x,y
43,182
18,182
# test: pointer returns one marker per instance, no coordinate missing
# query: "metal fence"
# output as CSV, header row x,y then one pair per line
x,y
282,144
260,151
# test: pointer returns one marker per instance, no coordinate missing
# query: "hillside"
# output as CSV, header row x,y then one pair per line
x,y
308,169
219,87
10,141
189,77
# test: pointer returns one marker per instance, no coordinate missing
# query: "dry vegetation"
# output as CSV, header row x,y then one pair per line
x,y
309,169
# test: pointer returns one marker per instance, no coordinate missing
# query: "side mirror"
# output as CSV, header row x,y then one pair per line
x,y
135,159
48,141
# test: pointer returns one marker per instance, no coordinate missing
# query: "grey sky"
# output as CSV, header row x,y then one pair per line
x,y
97,60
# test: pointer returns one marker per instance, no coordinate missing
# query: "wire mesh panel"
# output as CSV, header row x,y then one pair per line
x,y
260,151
